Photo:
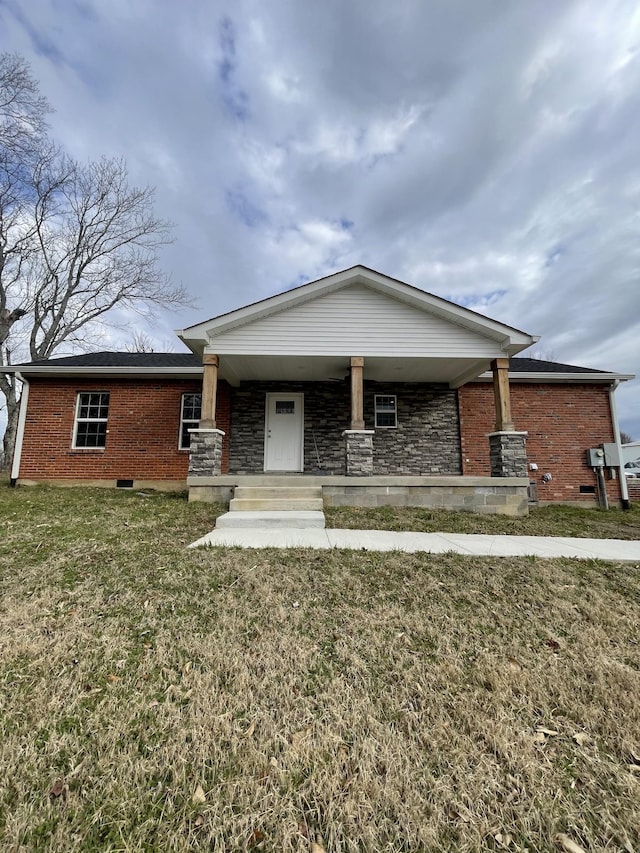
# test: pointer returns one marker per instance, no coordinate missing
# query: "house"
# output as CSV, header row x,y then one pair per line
x,y
377,391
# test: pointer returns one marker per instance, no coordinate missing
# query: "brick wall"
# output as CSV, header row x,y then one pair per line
x,y
562,422
144,415
142,438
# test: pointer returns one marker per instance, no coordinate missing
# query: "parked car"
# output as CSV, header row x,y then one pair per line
x,y
632,469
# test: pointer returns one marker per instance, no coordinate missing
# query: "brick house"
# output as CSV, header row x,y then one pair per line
x,y
380,392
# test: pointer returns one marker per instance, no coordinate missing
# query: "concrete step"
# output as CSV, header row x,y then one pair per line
x,y
278,492
276,504
270,519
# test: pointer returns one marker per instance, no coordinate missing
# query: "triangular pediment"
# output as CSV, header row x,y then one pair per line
x,y
357,311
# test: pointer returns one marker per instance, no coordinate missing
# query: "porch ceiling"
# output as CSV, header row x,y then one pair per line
x,y
452,371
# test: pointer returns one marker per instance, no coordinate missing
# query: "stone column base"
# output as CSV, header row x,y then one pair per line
x,y
359,452
508,455
205,452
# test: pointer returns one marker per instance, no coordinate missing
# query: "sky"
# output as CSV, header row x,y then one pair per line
x,y
482,150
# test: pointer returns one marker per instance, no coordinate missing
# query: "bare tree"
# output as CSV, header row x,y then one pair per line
x,y
142,342
540,354
76,241
23,109
625,438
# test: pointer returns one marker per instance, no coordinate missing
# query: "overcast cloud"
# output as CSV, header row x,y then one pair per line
x,y
483,150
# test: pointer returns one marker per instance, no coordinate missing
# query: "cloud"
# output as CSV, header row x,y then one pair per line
x,y
484,151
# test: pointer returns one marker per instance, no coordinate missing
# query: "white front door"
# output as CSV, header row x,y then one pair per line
x,y
284,430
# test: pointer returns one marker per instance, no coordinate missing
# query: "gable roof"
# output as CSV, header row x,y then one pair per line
x,y
210,332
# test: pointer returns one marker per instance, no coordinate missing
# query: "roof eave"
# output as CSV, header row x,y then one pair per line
x,y
101,370
609,378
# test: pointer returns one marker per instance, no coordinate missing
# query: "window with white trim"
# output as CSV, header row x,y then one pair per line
x,y
189,418
90,427
386,411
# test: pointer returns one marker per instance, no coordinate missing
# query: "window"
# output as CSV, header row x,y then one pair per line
x,y
189,418
285,407
90,428
386,411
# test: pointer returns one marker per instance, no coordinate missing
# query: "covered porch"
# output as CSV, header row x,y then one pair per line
x,y
353,380
334,433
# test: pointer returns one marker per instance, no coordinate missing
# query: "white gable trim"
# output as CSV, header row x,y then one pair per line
x,y
511,340
354,319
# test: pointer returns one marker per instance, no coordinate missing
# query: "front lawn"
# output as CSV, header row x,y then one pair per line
x,y
541,521
156,698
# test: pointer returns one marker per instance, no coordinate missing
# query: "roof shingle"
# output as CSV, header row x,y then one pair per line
x,y
188,359
122,359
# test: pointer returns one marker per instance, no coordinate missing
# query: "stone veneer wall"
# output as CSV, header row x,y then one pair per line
x,y
427,438
327,407
426,441
508,454
359,452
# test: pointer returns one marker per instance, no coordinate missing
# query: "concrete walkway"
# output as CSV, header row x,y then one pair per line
x,y
433,543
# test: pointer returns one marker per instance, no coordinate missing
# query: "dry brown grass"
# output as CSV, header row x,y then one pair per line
x,y
542,521
376,702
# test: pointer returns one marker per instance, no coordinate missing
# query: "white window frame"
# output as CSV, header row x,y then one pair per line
x,y
377,411
78,420
184,420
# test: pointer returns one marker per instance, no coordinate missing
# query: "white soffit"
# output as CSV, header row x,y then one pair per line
x,y
238,368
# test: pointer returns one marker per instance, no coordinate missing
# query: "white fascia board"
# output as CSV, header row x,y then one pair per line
x,y
560,377
270,305
85,370
511,340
